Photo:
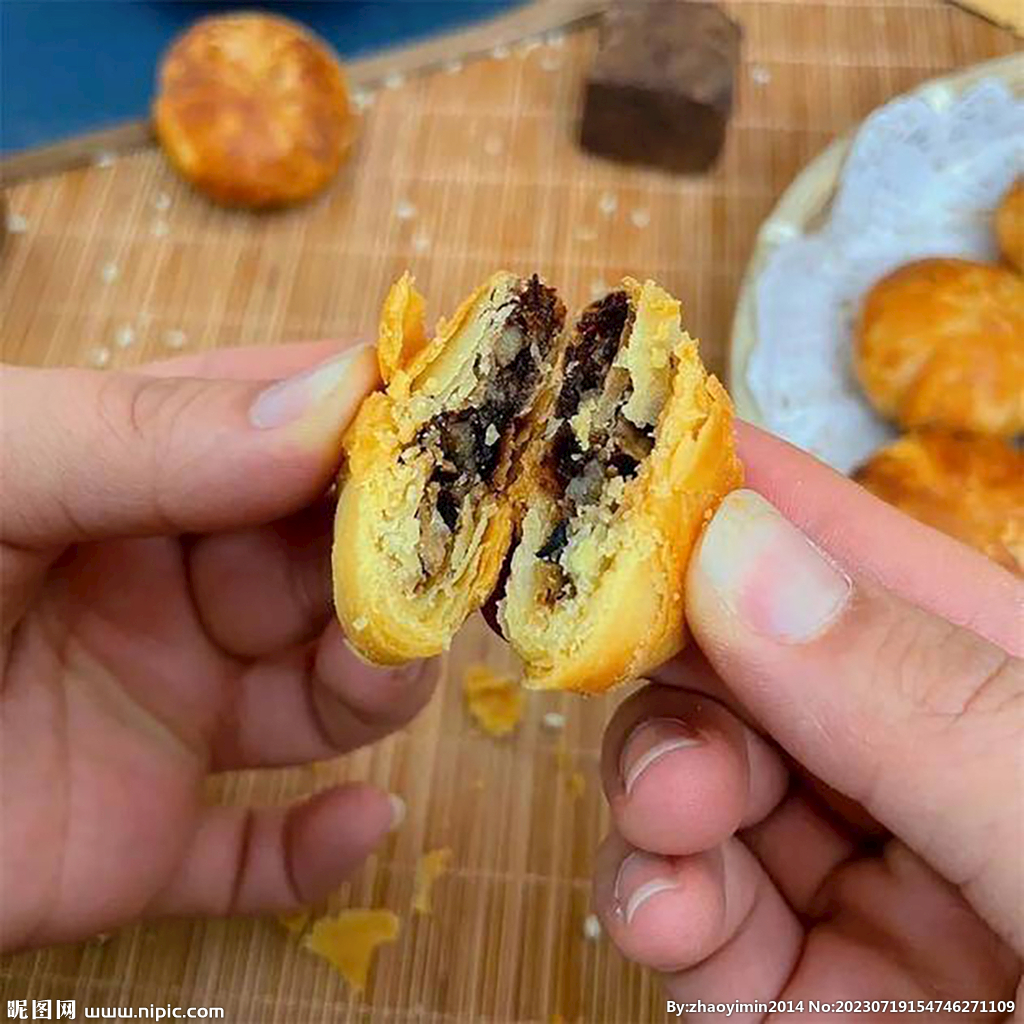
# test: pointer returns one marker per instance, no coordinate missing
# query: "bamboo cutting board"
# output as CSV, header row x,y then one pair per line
x,y
456,174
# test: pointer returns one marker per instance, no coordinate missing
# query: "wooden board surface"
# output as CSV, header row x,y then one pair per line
x,y
456,174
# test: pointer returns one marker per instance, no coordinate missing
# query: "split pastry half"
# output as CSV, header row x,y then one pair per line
x,y
599,451
426,507
634,460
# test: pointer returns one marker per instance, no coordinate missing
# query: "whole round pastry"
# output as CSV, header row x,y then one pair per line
x,y
940,343
1010,224
969,487
253,110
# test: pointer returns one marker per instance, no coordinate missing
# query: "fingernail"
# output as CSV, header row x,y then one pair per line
x,y
772,577
641,877
289,399
398,811
650,742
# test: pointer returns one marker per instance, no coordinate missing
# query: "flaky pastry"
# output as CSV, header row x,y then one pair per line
x,y
599,452
1010,225
940,343
425,513
253,110
635,459
969,487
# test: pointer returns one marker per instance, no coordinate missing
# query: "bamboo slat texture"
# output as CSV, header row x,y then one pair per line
x,y
456,174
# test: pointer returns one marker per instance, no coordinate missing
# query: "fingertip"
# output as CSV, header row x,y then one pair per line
x,y
375,695
333,832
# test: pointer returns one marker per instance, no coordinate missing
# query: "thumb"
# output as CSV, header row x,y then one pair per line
x,y
917,719
88,455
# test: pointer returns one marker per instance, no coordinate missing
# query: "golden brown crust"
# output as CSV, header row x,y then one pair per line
x,y
969,487
1010,225
389,612
253,110
939,344
627,566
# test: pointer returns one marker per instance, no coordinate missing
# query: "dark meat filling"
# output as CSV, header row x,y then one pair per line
x,y
472,446
617,446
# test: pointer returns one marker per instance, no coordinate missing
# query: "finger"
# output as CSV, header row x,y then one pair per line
x,y
705,920
244,860
900,710
262,589
90,455
798,847
682,774
247,362
923,566
315,702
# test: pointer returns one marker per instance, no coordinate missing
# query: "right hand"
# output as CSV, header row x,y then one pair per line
x,y
826,800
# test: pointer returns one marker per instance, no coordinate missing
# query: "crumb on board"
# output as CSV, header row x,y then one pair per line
x,y
175,338
404,210
99,357
159,229
349,940
395,80
16,224
295,921
553,720
591,927
453,67
124,336
608,203
495,701
429,868
576,784
109,272
640,217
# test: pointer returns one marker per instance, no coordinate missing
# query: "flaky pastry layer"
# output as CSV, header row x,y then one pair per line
x,y
595,593
418,544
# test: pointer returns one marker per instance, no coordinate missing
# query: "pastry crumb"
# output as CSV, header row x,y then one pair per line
x,y
395,80
162,201
453,67
421,242
640,218
349,940
553,720
430,867
576,784
494,701
760,74
109,272
174,339
16,224
295,922
103,159
591,927
99,357
500,52
124,336
608,203
405,210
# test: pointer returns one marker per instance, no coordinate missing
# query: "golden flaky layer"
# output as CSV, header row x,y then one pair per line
x,y
253,110
969,487
607,605
387,528
941,344
615,607
1010,224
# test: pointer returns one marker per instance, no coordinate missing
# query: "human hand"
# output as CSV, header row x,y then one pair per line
x,y
826,800
166,614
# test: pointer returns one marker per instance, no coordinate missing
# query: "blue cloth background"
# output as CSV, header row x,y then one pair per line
x,y
71,66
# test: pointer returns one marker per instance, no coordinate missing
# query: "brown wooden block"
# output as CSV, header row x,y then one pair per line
x,y
660,91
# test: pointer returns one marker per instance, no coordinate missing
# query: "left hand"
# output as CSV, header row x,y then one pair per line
x,y
166,614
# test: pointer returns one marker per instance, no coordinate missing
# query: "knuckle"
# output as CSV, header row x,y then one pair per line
x,y
942,670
